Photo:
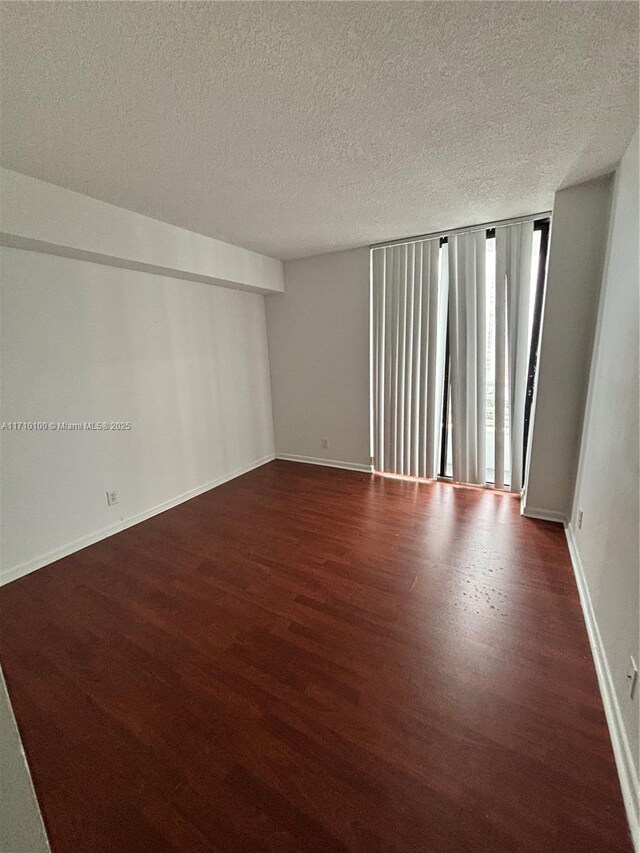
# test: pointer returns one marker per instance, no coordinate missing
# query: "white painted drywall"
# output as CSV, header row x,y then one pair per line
x,y
35,214
21,827
609,470
576,257
319,353
185,363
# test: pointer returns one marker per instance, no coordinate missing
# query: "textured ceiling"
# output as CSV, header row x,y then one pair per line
x,y
300,128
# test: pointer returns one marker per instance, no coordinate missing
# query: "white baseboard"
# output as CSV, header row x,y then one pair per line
x,y
15,572
329,463
543,514
621,749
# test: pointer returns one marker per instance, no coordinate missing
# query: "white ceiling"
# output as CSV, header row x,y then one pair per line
x,y
300,128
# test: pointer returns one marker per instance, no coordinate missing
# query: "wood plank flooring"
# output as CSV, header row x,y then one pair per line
x,y
308,659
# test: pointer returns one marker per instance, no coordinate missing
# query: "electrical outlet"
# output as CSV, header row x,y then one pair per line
x,y
632,675
325,443
112,498
580,519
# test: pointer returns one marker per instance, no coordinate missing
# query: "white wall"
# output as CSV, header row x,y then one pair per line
x,y
40,216
319,353
21,827
606,548
186,363
576,256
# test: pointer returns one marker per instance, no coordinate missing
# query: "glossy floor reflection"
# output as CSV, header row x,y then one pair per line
x,y
308,659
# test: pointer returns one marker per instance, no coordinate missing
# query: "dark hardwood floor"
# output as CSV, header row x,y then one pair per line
x,y
307,659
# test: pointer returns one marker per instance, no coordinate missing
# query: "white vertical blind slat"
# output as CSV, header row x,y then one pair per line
x,y
382,332
396,358
440,259
470,384
408,360
402,357
433,409
518,302
423,466
416,359
481,355
386,462
455,360
374,343
500,359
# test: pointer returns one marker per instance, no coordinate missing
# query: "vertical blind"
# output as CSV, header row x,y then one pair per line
x,y
419,291
409,297
513,273
468,347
